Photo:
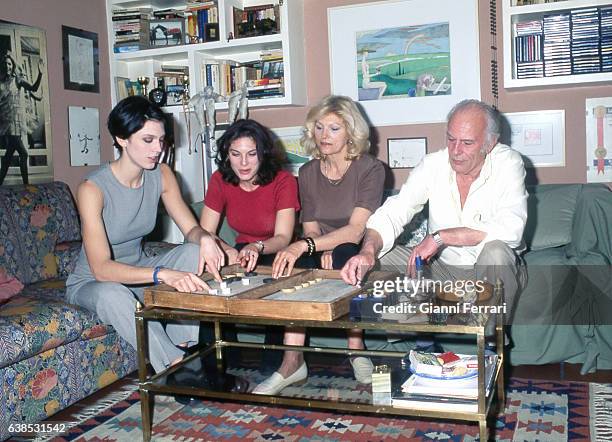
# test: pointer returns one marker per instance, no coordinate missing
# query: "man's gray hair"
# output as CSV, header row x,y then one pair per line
x,y
491,115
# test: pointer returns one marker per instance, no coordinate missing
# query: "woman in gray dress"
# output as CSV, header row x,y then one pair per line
x,y
118,206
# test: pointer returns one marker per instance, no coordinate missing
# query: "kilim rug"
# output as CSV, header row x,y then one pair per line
x,y
536,411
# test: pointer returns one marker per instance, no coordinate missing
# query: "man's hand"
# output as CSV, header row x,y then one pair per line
x,y
357,267
211,256
285,259
426,249
182,281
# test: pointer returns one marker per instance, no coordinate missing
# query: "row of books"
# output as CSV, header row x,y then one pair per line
x,y
429,393
263,77
573,42
137,28
203,20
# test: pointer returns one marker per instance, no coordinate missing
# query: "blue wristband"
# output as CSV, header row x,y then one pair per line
x,y
155,272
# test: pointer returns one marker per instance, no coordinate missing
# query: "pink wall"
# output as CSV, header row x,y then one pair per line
x,y
50,16
72,13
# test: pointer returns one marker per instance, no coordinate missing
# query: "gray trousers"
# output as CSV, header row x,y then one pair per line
x,y
115,304
496,260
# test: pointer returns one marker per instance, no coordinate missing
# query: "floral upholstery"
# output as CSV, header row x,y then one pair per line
x,y
36,388
66,254
44,215
52,353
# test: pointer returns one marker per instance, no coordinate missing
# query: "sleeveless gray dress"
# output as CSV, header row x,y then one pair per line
x,y
128,215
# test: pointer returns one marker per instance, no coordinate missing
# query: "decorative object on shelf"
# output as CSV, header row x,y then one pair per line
x,y
538,135
158,95
238,104
289,139
403,153
144,82
26,153
203,105
166,32
80,56
598,139
403,60
211,32
84,128
256,20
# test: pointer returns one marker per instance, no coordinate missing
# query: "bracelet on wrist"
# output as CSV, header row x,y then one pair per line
x,y
260,246
312,248
156,279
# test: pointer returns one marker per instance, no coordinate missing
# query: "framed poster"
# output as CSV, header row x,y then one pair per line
x,y
26,154
84,128
539,136
288,139
403,153
599,140
404,61
80,56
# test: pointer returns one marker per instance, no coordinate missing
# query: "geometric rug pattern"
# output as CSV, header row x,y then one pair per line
x,y
536,411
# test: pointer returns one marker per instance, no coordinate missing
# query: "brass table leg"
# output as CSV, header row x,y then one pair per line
x,y
145,397
482,426
146,402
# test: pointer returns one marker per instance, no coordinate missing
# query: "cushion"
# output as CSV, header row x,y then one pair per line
x,y
550,212
9,286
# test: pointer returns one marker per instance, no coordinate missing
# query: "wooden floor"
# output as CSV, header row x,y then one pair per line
x,y
552,372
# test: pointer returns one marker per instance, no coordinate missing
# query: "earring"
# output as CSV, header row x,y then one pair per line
x,y
350,141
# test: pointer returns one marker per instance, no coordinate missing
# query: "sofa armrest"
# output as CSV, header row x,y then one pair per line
x,y
66,255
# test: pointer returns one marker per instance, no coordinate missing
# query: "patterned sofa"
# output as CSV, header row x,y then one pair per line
x,y
52,354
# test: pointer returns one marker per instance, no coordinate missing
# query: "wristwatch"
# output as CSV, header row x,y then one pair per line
x,y
438,239
260,245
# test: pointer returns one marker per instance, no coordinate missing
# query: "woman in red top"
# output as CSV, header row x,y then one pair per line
x,y
258,198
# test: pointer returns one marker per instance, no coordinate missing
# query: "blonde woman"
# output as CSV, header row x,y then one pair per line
x,y
339,190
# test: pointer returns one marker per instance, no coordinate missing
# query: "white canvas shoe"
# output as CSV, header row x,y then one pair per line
x,y
362,368
277,382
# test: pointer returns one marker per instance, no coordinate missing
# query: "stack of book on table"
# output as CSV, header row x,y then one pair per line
x,y
444,382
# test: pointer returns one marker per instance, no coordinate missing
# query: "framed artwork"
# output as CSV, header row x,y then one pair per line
x,y
403,153
538,135
26,156
288,139
167,32
81,63
404,61
599,140
84,128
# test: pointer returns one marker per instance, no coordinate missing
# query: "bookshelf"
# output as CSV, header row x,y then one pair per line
x,y
287,40
533,44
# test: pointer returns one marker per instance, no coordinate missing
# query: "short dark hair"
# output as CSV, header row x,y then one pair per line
x,y
130,115
270,158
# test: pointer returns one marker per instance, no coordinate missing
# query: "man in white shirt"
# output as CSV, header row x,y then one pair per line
x,y
477,208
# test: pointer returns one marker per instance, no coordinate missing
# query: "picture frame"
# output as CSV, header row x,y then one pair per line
x,y
538,135
405,153
211,32
167,32
288,139
598,135
402,60
84,135
80,55
26,46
